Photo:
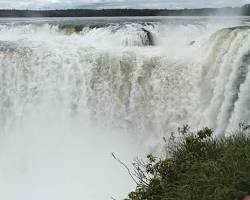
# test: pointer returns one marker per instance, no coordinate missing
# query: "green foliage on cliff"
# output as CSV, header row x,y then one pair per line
x,y
200,167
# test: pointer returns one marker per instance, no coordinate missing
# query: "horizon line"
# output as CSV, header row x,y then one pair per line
x,y
96,9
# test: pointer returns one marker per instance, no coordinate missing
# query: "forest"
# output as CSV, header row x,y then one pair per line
x,y
226,11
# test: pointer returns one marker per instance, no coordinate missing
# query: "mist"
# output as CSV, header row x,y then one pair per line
x,y
47,156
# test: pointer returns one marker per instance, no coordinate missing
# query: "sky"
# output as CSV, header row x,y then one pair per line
x,y
100,4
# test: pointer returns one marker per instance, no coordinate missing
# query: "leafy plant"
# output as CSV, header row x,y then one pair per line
x,y
198,167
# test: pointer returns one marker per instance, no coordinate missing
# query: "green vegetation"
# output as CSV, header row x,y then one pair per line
x,y
88,12
199,167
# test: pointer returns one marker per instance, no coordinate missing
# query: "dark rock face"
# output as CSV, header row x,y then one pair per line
x,y
150,38
192,43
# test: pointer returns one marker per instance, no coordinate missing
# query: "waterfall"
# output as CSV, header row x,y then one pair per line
x,y
71,95
224,79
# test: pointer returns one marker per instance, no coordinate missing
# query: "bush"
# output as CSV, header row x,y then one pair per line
x,y
199,167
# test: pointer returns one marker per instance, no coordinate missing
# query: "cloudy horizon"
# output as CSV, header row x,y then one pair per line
x,y
102,4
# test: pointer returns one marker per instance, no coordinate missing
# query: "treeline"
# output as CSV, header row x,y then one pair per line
x,y
238,11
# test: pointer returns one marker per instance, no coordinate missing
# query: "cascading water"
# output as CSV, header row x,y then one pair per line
x,y
72,94
225,80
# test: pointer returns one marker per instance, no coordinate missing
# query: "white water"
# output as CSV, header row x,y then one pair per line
x,y
70,99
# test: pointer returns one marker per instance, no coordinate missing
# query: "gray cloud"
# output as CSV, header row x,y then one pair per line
x,y
98,4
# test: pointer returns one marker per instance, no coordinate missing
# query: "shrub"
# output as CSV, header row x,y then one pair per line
x,y
198,167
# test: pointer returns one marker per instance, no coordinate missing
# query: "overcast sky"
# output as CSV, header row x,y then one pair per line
x,y
98,4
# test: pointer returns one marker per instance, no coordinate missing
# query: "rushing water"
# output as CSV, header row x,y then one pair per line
x,y
74,90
